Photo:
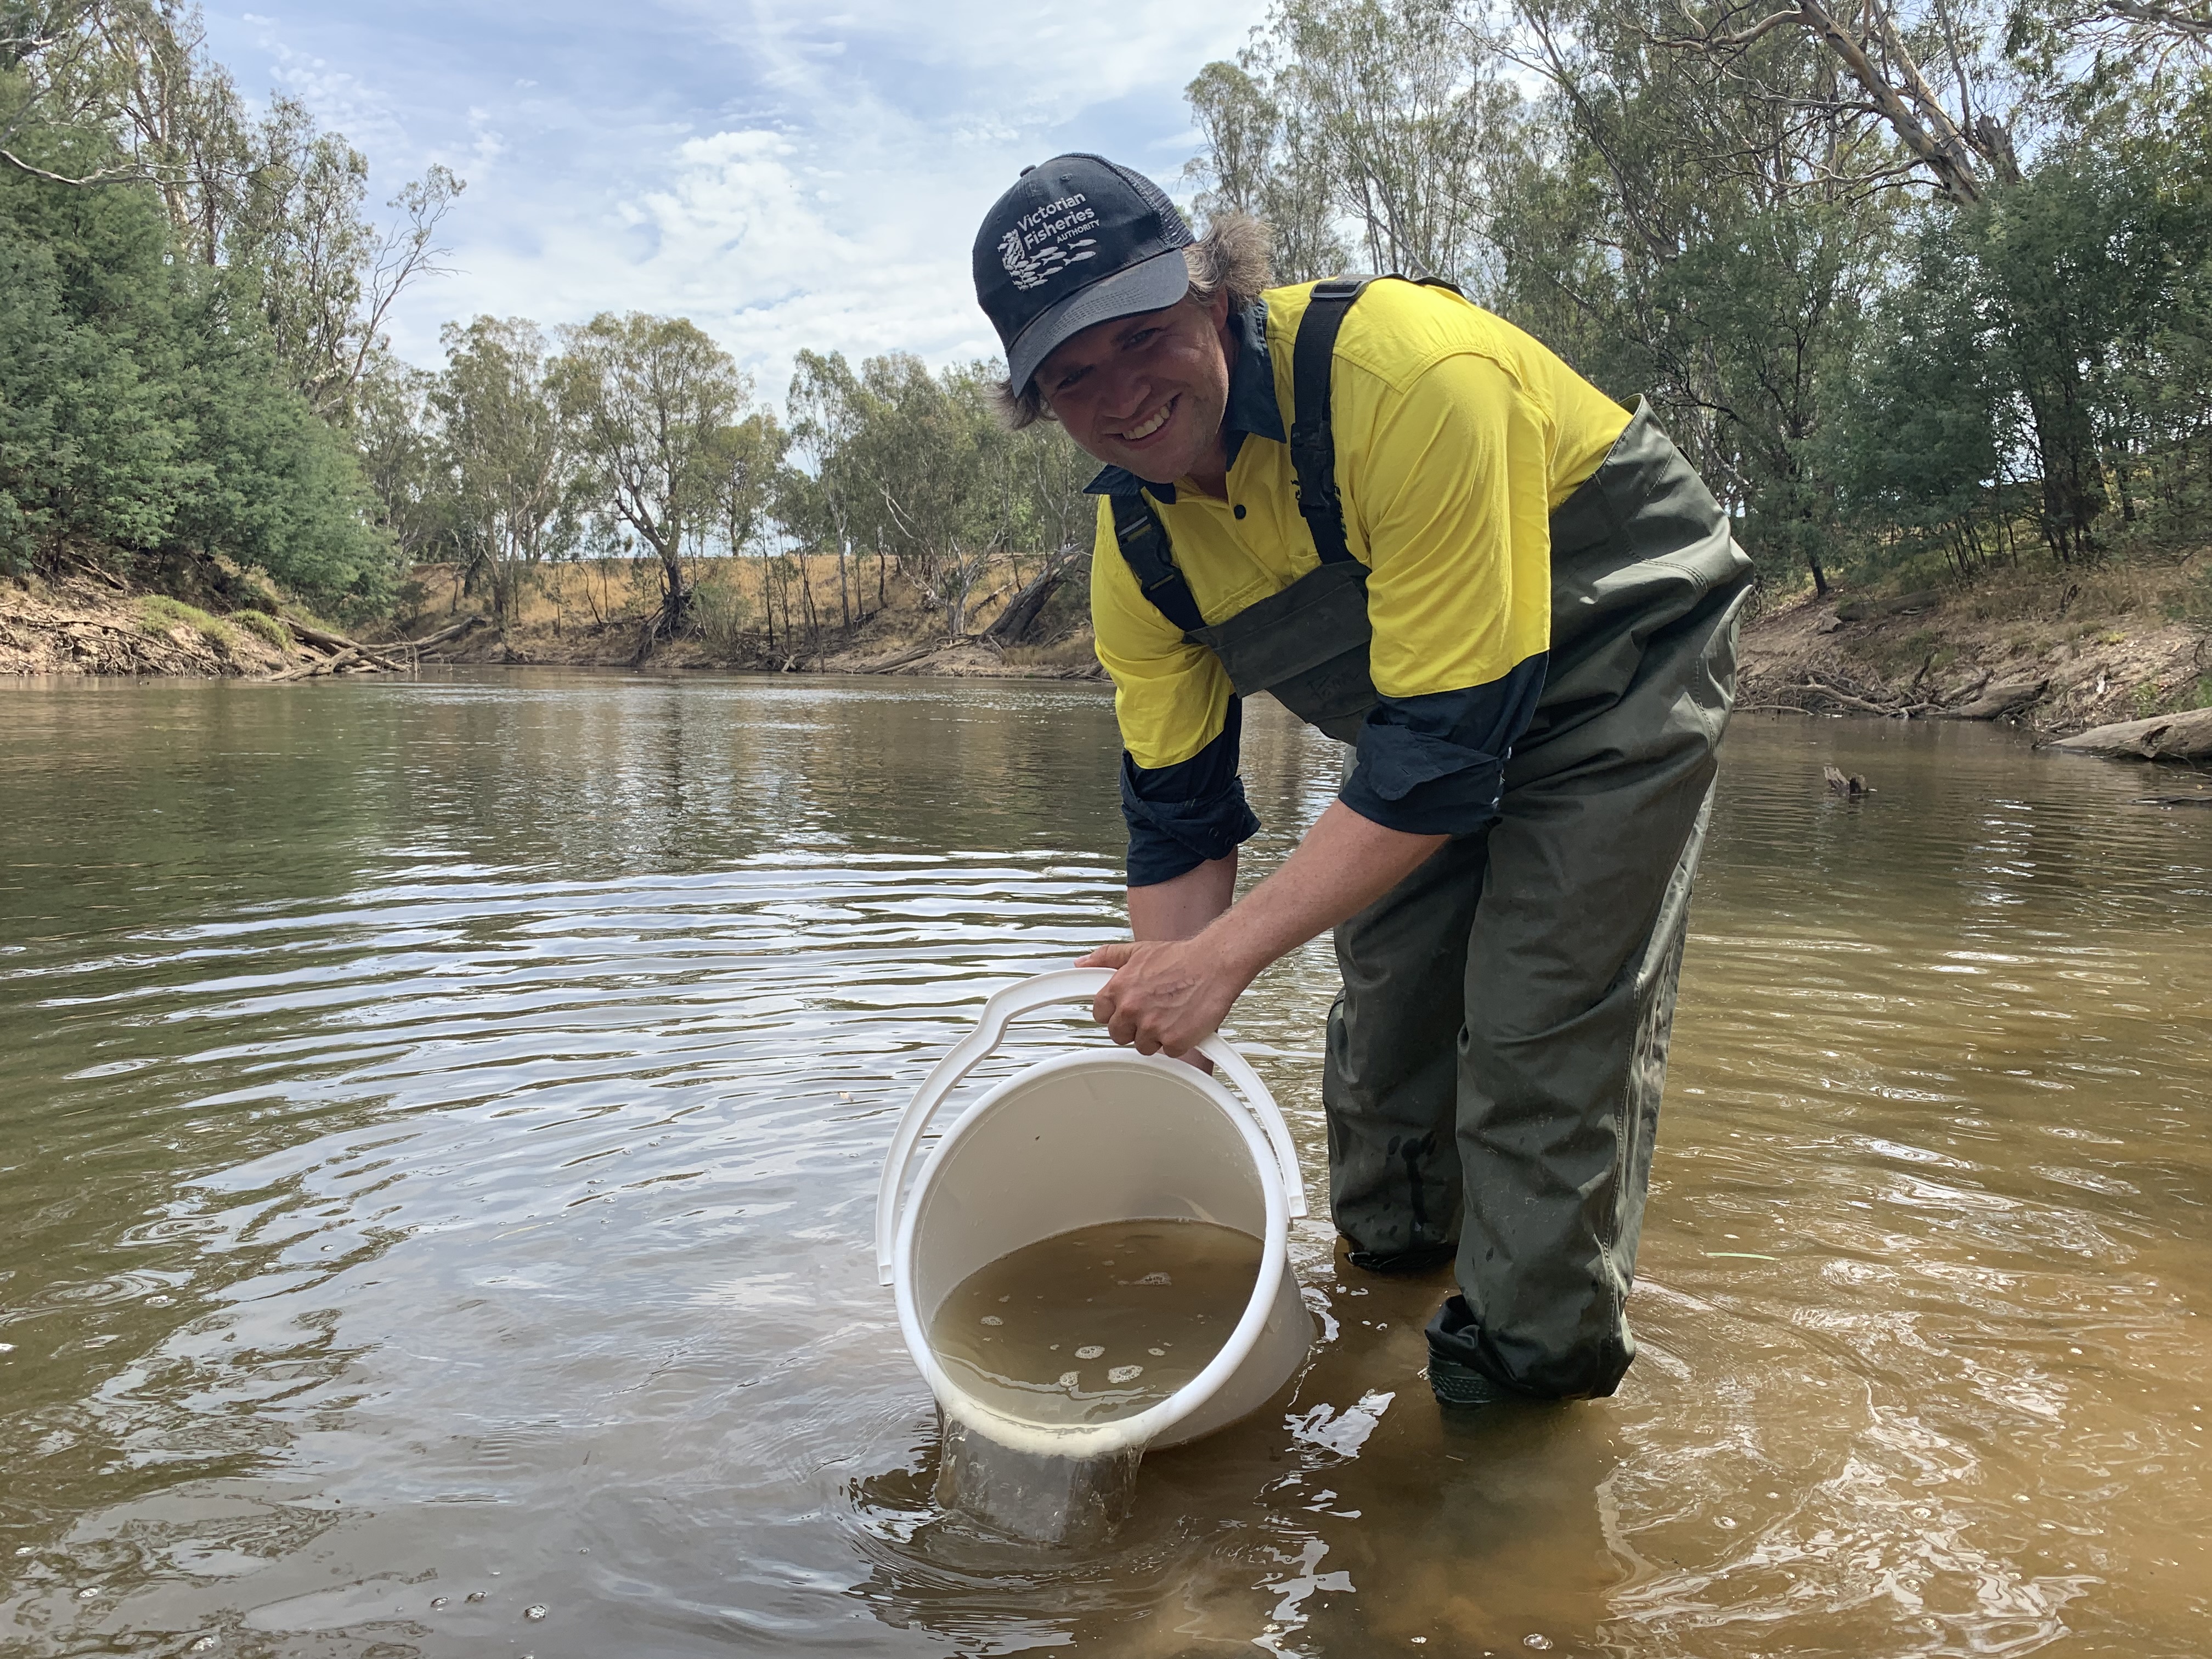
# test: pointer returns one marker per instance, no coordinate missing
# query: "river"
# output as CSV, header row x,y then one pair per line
x,y
439,1124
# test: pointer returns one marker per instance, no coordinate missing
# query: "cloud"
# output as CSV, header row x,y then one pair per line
x,y
787,177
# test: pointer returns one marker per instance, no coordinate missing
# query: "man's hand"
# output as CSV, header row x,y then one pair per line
x,y
1166,996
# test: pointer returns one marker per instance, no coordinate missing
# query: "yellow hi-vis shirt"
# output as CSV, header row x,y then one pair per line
x,y
1456,434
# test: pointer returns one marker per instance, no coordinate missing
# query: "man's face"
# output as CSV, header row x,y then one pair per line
x,y
1146,392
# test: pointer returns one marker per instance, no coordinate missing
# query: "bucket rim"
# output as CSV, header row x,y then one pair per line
x,y
1084,1440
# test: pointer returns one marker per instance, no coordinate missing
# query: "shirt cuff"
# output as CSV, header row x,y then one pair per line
x,y
1191,813
1435,764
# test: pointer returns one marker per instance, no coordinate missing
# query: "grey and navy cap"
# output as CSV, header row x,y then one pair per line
x,y
1078,241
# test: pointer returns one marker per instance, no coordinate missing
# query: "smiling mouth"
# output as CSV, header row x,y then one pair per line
x,y
1143,430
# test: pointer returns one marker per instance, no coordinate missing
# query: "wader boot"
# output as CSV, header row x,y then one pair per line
x,y
1496,1058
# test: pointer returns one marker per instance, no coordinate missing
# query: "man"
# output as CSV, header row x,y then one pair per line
x,y
1423,532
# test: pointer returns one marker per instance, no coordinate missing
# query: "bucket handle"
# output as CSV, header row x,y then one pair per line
x,y
1065,985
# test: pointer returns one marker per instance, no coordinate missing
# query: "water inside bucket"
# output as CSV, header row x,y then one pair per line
x,y
1085,1327
1099,1323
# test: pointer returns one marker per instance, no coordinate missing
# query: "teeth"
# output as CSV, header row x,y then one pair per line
x,y
1151,426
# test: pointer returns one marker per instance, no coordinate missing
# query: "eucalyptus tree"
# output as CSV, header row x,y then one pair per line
x,y
647,402
927,444
123,92
398,435
511,469
1717,252
1920,74
1386,119
325,275
816,500
1044,517
748,496
1263,160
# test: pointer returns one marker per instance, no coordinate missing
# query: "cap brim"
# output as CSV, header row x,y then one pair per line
x,y
1149,285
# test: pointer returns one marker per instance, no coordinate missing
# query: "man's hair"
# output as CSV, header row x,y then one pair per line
x,y
1233,256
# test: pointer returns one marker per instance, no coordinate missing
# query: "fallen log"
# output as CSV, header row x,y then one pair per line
x,y
1854,785
1867,610
330,641
899,662
1997,700
2185,737
321,665
1845,697
453,632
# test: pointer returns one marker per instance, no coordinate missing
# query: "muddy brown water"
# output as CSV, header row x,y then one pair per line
x,y
439,1125
1096,1324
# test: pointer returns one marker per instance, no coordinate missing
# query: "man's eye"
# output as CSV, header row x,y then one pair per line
x,y
1143,336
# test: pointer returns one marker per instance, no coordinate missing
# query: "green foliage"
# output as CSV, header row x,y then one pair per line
x,y
507,470
1888,339
648,402
720,612
266,626
84,444
139,409
186,302
158,614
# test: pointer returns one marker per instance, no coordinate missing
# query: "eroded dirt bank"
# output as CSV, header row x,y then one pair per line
x,y
2057,656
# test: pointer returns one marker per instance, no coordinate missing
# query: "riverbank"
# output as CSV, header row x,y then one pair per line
x,y
2058,653
97,624
592,614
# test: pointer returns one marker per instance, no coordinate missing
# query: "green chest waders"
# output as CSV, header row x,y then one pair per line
x,y
1496,1058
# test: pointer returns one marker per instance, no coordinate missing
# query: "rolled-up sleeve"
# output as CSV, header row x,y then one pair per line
x,y
1181,816
1435,764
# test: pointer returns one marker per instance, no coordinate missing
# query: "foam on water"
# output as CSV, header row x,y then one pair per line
x,y
1097,1324
1085,1327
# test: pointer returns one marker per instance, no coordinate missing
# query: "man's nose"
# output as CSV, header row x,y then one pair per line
x,y
1125,395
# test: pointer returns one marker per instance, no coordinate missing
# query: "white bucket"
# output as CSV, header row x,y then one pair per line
x,y
1084,1138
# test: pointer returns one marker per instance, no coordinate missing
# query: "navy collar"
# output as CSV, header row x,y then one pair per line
x,y
1252,411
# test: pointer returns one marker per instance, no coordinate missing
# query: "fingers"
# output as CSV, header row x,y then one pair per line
x,y
1109,956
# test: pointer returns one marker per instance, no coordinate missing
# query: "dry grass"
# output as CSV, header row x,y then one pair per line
x,y
2082,596
1075,652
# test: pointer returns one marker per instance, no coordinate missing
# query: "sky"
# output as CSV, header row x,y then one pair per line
x,y
786,175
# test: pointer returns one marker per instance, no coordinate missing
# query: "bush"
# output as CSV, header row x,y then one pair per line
x,y
719,613
266,626
142,408
157,615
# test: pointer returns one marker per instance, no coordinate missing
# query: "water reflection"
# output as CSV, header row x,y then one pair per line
x,y
441,1123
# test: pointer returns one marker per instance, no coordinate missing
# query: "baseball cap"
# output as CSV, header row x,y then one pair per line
x,y
1076,240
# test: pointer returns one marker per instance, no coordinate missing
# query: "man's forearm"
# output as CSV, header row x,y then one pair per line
x,y
1344,864
1169,990
1181,907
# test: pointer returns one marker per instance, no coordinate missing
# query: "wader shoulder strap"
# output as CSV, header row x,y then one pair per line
x,y
1313,439
1143,543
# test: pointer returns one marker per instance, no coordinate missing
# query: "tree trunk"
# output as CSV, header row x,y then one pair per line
x,y
1011,625
806,602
